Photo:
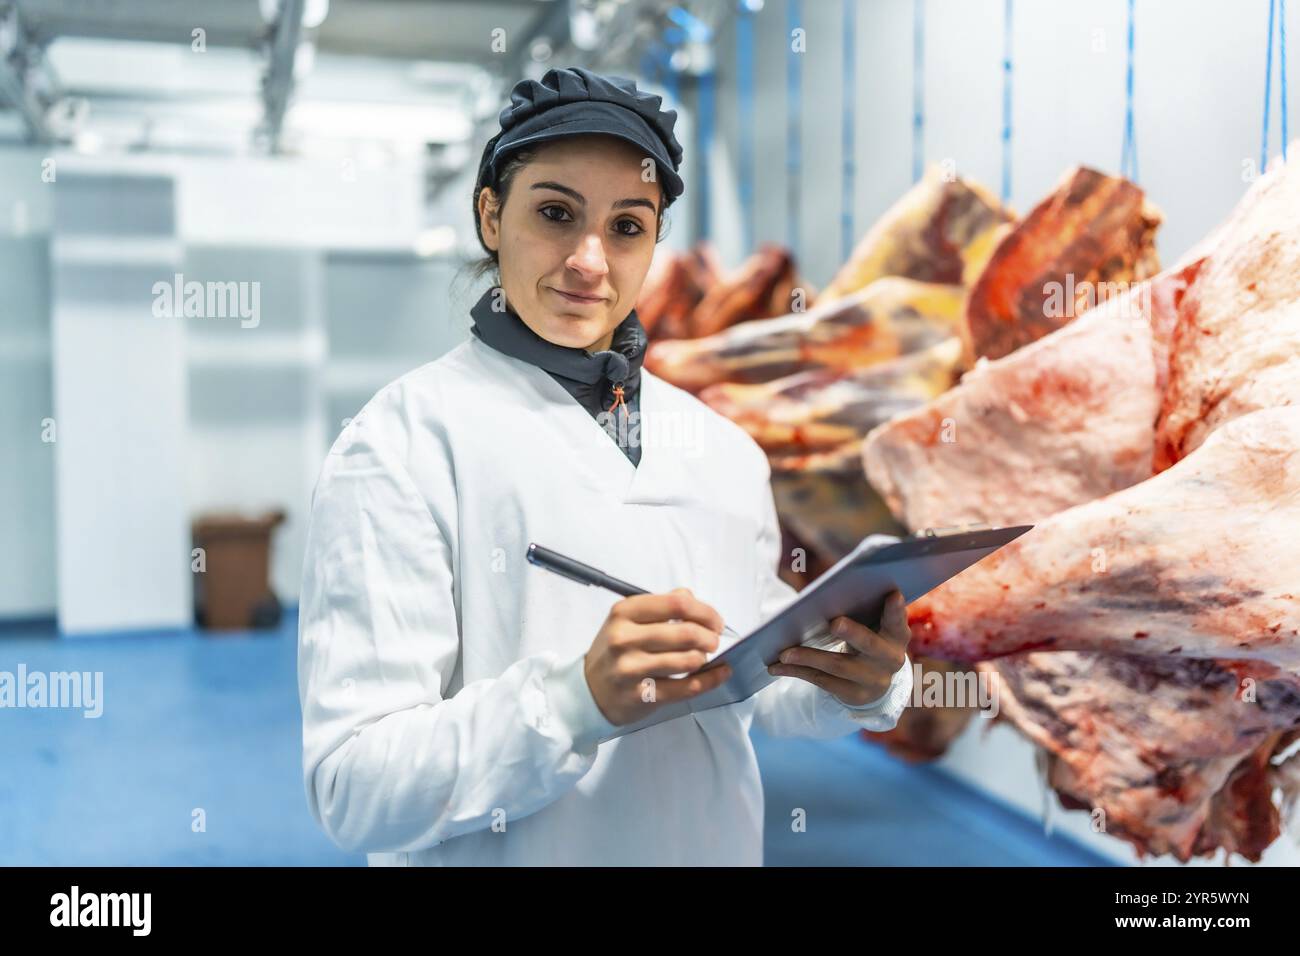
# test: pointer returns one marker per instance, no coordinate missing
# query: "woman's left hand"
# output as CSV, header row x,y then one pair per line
x,y
860,674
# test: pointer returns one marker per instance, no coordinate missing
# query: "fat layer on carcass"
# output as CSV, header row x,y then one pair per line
x,y
1064,420
1236,345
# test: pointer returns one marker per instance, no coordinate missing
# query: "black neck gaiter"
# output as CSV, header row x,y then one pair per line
x,y
590,377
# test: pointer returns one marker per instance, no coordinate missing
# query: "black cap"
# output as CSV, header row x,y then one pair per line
x,y
574,101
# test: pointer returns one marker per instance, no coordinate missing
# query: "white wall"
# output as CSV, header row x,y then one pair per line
x,y
27,587
26,402
256,409
257,398
1198,107
121,524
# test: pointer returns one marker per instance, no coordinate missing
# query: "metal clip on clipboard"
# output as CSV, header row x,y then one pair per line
x,y
950,530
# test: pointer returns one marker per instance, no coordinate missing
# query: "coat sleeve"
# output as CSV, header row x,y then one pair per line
x,y
390,762
790,707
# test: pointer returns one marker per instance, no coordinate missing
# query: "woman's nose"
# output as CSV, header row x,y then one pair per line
x,y
589,257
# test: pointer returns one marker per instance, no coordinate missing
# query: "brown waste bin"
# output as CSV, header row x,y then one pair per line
x,y
233,591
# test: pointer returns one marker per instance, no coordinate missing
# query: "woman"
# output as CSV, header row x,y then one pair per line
x,y
452,694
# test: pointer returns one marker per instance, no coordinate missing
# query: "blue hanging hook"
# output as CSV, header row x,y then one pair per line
x,y
1276,11
1128,161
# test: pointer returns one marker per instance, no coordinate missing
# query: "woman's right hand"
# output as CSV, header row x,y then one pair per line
x,y
645,639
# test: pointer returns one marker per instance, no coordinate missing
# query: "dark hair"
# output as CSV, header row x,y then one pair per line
x,y
514,162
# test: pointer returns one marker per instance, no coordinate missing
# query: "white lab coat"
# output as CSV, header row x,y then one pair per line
x,y
446,718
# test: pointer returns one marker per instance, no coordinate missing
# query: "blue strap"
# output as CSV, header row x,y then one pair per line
x,y
1276,10
1281,53
918,91
1268,86
1128,161
1006,101
704,194
847,124
745,95
794,139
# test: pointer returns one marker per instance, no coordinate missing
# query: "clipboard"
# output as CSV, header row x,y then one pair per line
x,y
856,587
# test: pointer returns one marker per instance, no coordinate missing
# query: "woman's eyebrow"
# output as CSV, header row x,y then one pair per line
x,y
582,200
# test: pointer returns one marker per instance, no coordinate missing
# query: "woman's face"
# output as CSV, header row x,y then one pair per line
x,y
580,219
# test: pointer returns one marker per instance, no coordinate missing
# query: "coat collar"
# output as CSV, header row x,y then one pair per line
x,y
506,332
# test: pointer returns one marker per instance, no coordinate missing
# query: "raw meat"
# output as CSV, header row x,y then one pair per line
x,y
1093,234
1236,347
763,287
942,230
690,295
1173,582
1071,416
826,506
811,425
1198,561
824,408
1152,743
867,327
673,288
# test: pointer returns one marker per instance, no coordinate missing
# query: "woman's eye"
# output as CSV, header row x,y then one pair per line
x,y
636,227
545,210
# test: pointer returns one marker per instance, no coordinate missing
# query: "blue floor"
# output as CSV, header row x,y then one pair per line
x,y
194,723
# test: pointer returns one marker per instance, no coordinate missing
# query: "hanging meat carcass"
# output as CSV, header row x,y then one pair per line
x,y
1072,416
872,325
811,425
765,285
1196,561
845,331
903,289
1195,375
1093,234
1154,747
690,295
673,288
823,408
942,230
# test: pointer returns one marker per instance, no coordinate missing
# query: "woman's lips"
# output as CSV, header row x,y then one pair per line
x,y
579,299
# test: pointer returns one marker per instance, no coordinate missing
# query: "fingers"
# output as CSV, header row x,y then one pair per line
x,y
838,664
679,604
669,690
859,670
665,665
658,638
888,642
861,639
893,623
855,678
850,692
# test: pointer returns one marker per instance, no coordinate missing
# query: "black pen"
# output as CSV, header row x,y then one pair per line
x,y
586,574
